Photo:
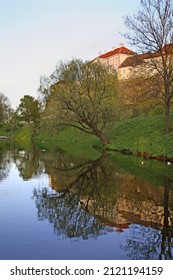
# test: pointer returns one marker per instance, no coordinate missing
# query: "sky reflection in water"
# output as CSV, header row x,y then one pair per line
x,y
55,206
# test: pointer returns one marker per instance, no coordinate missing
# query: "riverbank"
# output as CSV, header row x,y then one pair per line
x,y
143,136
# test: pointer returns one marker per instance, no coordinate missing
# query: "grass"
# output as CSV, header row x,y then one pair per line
x,y
144,134
22,133
71,140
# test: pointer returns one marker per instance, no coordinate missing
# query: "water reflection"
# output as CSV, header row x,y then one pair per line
x,y
28,162
68,217
4,162
89,198
98,196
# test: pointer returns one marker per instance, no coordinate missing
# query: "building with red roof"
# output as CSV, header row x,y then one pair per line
x,y
135,63
115,57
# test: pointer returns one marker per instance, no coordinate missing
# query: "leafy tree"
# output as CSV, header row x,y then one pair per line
x,y
84,96
28,110
152,32
5,109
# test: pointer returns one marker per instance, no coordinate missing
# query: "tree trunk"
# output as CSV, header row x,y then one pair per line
x,y
102,137
167,119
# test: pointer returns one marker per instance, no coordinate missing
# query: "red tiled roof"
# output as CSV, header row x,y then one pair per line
x,y
121,49
138,59
134,60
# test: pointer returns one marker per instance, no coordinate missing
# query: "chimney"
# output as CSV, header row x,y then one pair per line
x,y
121,45
113,47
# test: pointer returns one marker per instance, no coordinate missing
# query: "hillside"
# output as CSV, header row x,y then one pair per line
x,y
143,134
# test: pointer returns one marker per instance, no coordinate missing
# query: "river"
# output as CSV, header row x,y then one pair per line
x,y
59,205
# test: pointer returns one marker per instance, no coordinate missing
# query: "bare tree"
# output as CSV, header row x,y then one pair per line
x,y
152,33
137,95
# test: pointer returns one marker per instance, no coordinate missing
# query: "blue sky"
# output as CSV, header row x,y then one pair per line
x,y
36,34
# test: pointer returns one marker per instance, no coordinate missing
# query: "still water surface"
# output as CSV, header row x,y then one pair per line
x,y
62,206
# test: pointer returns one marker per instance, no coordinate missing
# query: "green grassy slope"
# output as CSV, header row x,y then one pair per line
x,y
144,134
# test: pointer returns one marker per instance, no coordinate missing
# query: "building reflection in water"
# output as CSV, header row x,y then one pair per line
x,y
94,197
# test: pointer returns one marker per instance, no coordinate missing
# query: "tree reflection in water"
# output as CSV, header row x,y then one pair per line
x,y
68,209
28,162
4,164
89,198
97,196
143,243
167,231
146,243
66,215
